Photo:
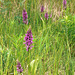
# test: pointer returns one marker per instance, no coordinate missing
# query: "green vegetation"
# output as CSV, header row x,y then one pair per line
x,y
54,39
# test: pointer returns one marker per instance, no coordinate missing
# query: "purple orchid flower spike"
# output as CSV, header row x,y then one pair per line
x,y
64,3
28,39
46,16
42,8
19,68
25,16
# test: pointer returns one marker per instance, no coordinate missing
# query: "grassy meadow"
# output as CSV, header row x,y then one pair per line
x,y
53,51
